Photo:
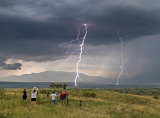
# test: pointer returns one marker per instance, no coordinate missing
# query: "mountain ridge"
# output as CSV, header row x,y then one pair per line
x,y
54,76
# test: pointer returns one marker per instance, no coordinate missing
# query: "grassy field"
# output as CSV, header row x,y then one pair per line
x,y
106,104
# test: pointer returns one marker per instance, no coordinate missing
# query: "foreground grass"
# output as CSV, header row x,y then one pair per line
x,y
106,104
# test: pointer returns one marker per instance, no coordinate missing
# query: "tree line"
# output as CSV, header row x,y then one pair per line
x,y
58,85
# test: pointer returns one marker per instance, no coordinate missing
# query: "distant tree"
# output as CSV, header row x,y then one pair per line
x,y
53,85
58,85
64,86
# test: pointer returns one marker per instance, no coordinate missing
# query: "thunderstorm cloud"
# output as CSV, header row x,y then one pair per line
x,y
33,30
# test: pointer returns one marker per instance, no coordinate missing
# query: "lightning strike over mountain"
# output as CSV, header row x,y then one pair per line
x,y
81,49
80,55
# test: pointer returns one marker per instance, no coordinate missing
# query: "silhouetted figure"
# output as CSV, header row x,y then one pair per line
x,y
80,104
24,94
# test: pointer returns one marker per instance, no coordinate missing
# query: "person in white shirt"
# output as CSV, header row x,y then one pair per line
x,y
53,96
34,95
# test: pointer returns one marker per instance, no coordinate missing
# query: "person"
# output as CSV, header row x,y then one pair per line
x,y
34,95
24,94
53,96
66,94
63,96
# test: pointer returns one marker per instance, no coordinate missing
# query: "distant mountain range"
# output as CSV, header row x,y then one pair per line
x,y
56,76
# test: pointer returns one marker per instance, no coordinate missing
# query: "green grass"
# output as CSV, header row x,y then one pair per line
x,y
137,91
106,104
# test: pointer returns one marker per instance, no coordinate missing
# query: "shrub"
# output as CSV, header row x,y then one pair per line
x,y
2,93
155,97
89,94
53,85
43,91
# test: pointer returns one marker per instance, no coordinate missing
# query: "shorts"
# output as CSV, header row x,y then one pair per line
x,y
33,99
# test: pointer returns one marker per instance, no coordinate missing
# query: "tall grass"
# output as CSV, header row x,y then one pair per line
x,y
105,104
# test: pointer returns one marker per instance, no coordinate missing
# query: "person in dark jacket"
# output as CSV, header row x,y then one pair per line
x,y
24,94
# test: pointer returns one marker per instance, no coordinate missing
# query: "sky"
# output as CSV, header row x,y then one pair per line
x,y
31,32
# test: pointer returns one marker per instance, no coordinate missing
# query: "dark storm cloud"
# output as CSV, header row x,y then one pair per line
x,y
4,66
15,66
31,50
60,20
33,30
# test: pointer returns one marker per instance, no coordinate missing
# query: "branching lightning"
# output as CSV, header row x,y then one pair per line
x,y
122,64
74,40
80,55
81,49
70,42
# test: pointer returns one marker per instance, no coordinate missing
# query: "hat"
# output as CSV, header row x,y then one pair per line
x,y
34,87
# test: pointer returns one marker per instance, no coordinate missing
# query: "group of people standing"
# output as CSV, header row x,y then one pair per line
x,y
34,94
62,98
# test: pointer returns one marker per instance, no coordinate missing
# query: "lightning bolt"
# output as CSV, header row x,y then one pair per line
x,y
80,56
121,66
81,49
122,63
70,44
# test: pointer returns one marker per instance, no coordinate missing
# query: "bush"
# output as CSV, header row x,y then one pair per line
x,y
2,93
53,85
44,91
155,97
89,94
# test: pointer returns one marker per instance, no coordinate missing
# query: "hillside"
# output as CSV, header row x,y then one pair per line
x,y
105,104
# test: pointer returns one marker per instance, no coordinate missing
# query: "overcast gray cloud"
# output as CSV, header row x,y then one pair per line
x,y
32,30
